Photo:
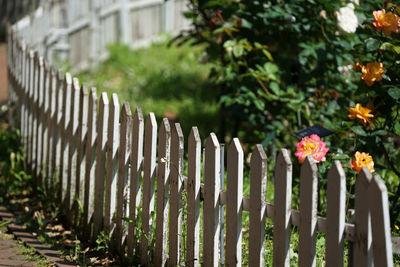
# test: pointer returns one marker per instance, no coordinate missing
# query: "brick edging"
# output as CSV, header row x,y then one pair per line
x,y
31,241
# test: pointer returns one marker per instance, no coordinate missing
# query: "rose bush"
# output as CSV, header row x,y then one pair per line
x,y
280,66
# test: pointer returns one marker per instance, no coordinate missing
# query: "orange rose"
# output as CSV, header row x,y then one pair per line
x,y
361,113
372,72
362,160
386,22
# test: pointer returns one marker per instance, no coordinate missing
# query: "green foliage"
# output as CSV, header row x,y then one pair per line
x,y
166,80
275,63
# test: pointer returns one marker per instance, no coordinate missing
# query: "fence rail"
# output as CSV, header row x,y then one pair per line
x,y
111,160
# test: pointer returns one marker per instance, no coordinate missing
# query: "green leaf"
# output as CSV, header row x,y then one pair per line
x,y
394,93
274,88
359,130
379,132
340,157
371,44
238,50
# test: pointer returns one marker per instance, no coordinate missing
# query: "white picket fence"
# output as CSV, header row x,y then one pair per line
x,y
79,31
111,161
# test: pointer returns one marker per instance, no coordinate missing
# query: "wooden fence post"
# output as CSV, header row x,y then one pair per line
x,y
88,200
81,155
308,212
176,186
72,131
50,129
112,163
193,199
57,125
258,189
28,154
65,121
362,255
234,206
335,215
123,162
39,123
380,223
282,208
44,114
149,173
101,142
164,145
136,161
211,225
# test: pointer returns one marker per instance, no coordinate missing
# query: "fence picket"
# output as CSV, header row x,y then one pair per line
x,y
29,149
164,144
135,176
335,215
44,114
90,151
49,125
234,206
123,162
65,120
193,199
39,120
39,117
380,222
362,254
211,225
175,187
57,122
282,216
308,212
23,94
112,163
81,143
72,151
101,142
149,173
258,189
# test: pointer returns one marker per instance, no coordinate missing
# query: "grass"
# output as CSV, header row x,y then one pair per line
x,y
166,80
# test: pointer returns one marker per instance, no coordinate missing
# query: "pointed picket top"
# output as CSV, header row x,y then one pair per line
x,y
104,99
93,94
137,117
211,142
177,133
309,166
336,198
235,148
151,122
364,177
68,80
125,111
258,154
194,136
84,90
75,82
114,103
165,128
380,222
